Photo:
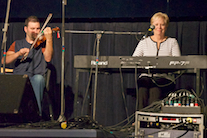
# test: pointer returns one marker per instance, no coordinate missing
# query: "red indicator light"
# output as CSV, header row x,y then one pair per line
x,y
169,119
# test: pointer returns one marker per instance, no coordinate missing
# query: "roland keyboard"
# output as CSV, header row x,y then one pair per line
x,y
161,62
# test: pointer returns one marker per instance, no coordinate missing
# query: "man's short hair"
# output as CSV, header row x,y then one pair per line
x,y
31,19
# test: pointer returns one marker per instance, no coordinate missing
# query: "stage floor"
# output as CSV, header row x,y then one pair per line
x,y
50,133
50,129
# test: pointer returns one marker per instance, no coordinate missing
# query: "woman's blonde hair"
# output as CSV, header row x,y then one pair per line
x,y
160,15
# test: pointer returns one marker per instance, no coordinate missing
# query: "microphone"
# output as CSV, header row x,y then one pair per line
x,y
152,27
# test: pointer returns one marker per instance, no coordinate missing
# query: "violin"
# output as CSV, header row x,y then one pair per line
x,y
42,39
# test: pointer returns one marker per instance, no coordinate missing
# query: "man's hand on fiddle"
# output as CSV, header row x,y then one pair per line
x,y
48,33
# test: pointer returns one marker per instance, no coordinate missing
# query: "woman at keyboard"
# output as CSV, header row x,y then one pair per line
x,y
158,44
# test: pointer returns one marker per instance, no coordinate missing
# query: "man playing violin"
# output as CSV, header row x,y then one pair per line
x,y
35,64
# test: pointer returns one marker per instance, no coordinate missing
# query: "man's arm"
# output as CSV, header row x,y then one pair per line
x,y
48,53
12,56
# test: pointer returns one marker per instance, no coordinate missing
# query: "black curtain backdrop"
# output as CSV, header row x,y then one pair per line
x,y
92,9
110,102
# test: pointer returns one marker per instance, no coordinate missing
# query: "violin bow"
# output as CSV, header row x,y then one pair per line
x,y
38,36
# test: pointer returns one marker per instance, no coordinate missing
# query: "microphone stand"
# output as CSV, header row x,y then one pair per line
x,y
5,29
98,37
62,112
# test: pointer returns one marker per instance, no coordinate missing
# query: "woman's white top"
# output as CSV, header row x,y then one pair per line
x,y
148,47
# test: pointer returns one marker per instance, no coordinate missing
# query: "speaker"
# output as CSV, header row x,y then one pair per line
x,y
17,99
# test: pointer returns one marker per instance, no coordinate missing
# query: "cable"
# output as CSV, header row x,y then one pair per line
x,y
199,99
202,87
45,125
116,125
137,92
87,89
123,95
183,134
185,94
89,80
173,81
154,107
